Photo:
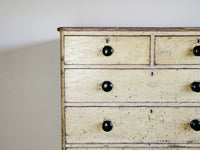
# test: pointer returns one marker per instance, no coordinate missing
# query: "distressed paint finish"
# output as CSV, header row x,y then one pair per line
x,y
139,51
132,148
176,50
137,146
88,49
146,29
132,125
108,149
130,33
84,85
62,82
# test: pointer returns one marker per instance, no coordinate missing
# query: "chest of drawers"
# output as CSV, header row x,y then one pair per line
x,y
130,88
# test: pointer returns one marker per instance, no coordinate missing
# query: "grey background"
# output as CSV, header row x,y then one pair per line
x,y
29,57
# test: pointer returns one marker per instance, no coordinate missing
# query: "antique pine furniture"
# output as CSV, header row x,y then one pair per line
x,y
130,88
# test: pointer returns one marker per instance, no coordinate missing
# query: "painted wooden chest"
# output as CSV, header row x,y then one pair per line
x,y
130,88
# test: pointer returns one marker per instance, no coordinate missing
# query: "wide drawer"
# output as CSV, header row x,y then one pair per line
x,y
88,49
85,85
132,124
176,50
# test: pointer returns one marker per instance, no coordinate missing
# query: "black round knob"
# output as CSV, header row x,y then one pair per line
x,y
195,125
196,50
107,126
195,86
107,86
107,50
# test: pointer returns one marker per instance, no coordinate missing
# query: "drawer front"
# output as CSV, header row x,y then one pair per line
x,y
85,85
176,50
132,125
88,49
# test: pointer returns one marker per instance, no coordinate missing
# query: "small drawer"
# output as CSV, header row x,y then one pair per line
x,y
132,125
177,50
107,50
115,85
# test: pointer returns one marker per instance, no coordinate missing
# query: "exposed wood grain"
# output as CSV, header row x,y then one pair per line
x,y
62,90
84,85
129,29
132,125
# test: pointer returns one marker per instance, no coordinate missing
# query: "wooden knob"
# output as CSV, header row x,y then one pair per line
x,y
196,50
195,86
107,86
107,126
107,50
195,125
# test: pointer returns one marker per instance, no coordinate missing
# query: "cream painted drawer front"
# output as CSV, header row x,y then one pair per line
x,y
88,49
85,85
132,125
176,50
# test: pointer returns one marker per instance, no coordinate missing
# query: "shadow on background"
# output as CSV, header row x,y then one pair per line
x,y
30,98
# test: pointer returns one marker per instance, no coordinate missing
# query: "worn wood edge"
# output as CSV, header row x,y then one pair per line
x,y
132,104
62,91
128,29
127,66
120,33
135,145
152,49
